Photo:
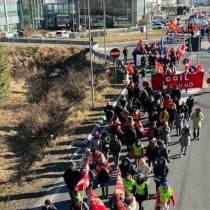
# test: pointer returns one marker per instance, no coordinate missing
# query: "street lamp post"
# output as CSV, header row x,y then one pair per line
x,y
146,15
104,10
91,58
6,15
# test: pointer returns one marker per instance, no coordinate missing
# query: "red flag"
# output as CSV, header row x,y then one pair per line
x,y
154,45
119,186
187,65
95,202
166,52
120,205
181,51
159,67
140,44
130,69
83,183
173,26
199,68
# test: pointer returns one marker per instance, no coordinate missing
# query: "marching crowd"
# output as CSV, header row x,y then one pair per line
x,y
165,112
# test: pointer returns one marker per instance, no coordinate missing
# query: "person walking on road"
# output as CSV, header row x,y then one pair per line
x,y
125,53
140,190
79,205
160,172
126,167
161,151
128,183
137,151
143,168
197,117
165,133
95,142
115,147
48,205
104,144
130,201
71,177
185,139
165,195
190,104
179,120
151,152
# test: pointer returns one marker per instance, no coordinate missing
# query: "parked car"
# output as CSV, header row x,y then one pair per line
x,y
62,34
157,26
7,34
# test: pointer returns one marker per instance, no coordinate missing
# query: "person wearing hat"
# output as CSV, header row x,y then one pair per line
x,y
71,177
79,205
95,142
197,117
48,205
165,195
137,151
128,183
140,190
160,171
185,139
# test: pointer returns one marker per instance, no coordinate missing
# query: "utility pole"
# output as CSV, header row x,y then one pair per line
x,y
91,58
6,15
104,9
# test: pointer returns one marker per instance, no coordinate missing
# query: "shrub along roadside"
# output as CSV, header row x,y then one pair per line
x,y
54,90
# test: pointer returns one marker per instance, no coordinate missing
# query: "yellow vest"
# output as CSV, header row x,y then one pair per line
x,y
165,194
137,150
140,188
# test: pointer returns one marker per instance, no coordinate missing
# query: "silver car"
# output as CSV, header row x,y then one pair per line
x,y
157,26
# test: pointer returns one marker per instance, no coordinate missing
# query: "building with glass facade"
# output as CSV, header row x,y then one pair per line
x,y
8,15
54,14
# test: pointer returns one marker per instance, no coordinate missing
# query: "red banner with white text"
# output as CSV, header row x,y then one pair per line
x,y
184,81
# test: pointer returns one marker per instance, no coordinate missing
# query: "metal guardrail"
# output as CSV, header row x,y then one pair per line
x,y
84,44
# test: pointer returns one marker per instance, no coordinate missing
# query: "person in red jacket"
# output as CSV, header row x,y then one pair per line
x,y
165,195
167,101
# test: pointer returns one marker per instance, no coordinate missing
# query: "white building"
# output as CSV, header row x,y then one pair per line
x,y
168,3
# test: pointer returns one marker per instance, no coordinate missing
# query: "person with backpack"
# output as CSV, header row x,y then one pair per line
x,y
115,147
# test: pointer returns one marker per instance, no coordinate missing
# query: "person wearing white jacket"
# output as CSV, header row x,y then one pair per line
x,y
130,201
143,168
